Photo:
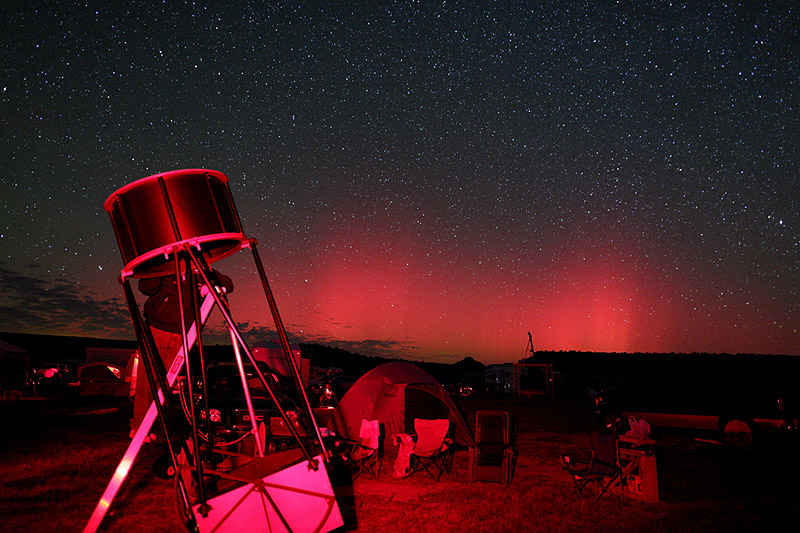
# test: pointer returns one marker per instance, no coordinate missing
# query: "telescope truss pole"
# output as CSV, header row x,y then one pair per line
x,y
125,464
287,350
199,263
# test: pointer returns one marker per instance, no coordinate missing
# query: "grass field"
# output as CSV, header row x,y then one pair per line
x,y
58,456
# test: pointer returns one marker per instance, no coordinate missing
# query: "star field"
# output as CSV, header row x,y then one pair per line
x,y
425,180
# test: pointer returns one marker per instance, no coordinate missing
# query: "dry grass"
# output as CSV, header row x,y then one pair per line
x,y
58,458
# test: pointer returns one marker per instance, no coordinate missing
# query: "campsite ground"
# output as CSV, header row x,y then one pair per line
x,y
58,456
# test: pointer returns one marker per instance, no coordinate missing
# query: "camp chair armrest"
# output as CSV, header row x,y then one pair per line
x,y
349,447
575,461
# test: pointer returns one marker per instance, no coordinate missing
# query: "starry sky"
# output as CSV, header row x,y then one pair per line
x,y
425,180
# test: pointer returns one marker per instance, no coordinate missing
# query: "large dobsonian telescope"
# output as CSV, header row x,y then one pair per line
x,y
175,225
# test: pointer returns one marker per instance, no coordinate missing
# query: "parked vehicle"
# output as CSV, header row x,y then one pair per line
x,y
103,379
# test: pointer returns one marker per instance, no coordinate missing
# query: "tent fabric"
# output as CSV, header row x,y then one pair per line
x,y
395,394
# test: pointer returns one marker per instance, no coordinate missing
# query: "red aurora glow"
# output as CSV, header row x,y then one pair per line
x,y
360,291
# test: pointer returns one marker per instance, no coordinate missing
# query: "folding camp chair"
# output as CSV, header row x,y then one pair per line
x,y
602,469
490,459
432,451
365,455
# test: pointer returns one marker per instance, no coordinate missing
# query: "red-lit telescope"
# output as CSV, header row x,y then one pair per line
x,y
154,215
176,224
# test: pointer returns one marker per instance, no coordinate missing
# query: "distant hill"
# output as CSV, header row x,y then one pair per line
x,y
743,372
585,368
55,348
354,364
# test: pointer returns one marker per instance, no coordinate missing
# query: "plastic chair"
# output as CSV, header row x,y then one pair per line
x,y
365,455
432,451
602,469
490,460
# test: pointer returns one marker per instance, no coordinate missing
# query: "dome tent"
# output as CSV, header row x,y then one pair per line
x,y
395,394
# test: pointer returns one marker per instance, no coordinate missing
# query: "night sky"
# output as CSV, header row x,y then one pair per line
x,y
425,180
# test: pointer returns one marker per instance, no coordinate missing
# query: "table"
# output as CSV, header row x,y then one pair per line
x,y
638,461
